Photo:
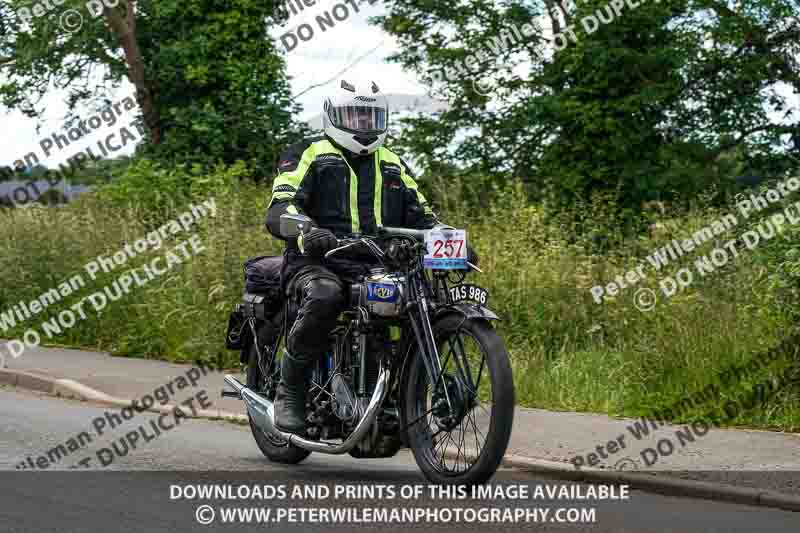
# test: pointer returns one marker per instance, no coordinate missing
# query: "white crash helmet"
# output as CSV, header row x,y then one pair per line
x,y
357,117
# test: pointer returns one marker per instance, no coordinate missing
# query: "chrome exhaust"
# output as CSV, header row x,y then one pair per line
x,y
262,411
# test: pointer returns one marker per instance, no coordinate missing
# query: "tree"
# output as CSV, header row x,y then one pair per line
x,y
654,102
209,81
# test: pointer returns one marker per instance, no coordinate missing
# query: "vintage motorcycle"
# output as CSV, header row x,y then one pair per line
x,y
413,362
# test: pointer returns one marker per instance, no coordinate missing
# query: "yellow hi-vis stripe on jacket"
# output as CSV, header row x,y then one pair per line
x,y
295,177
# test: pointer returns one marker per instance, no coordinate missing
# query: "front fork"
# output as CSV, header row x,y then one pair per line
x,y
423,331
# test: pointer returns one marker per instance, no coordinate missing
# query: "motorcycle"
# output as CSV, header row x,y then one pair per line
x,y
414,362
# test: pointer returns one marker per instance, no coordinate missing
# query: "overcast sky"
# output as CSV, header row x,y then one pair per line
x,y
310,63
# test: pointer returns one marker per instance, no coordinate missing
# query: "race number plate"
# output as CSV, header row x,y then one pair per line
x,y
469,293
446,249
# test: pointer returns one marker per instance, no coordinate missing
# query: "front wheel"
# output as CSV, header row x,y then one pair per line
x,y
458,428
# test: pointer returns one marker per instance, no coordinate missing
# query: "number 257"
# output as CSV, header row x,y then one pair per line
x,y
449,247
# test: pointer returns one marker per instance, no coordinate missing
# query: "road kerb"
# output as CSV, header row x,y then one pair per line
x,y
646,482
67,388
26,380
659,483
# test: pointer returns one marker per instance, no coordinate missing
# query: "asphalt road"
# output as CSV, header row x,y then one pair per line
x,y
133,492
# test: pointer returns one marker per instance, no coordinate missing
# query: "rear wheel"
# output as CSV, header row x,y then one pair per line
x,y
458,429
276,449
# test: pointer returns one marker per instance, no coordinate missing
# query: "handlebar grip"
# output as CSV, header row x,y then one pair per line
x,y
341,244
417,234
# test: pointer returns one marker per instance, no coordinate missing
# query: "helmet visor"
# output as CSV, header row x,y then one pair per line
x,y
359,118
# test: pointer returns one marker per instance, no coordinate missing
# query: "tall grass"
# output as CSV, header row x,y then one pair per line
x,y
568,352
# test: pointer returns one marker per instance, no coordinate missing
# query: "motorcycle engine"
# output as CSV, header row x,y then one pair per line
x,y
383,294
346,406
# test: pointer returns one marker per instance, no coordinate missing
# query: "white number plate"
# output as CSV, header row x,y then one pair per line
x,y
446,249
469,293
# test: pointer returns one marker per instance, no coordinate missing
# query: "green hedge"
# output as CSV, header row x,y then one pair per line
x,y
568,351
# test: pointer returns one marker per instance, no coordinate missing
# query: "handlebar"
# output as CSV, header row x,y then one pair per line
x,y
350,242
369,240
384,233
416,234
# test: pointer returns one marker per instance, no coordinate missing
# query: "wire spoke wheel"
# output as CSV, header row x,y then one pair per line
x,y
458,427
275,448
459,419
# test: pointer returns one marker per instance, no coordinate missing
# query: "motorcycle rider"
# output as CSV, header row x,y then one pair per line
x,y
347,182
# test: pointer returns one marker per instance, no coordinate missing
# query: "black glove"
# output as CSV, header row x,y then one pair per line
x,y
472,256
399,252
318,242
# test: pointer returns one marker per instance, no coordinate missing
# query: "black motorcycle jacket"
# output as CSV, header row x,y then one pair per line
x,y
345,193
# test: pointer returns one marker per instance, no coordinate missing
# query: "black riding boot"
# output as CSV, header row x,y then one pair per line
x,y
290,397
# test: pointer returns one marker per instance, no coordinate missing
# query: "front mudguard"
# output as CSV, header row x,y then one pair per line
x,y
467,310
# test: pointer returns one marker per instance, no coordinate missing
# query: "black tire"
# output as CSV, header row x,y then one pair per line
x,y
418,397
275,449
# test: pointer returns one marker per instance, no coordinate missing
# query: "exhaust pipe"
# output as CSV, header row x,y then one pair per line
x,y
262,411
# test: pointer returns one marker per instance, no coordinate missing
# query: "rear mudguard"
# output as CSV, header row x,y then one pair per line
x,y
467,310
